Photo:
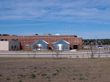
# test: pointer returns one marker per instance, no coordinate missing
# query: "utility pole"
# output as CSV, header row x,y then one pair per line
x,y
96,41
68,38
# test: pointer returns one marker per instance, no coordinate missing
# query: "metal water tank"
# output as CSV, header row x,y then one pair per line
x,y
40,46
60,46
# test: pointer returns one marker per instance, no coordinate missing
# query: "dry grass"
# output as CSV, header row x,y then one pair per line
x,y
54,70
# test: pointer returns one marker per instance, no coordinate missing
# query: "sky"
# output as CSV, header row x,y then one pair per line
x,y
87,18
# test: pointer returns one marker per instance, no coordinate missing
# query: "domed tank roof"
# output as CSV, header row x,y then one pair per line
x,y
57,34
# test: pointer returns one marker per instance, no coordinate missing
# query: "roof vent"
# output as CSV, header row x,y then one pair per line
x,y
46,34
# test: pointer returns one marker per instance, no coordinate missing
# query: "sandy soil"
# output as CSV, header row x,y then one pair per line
x,y
54,70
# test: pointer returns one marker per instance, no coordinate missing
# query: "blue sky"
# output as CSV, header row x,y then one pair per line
x,y
88,18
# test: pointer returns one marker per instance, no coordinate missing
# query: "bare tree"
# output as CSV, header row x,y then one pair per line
x,y
92,49
35,50
56,52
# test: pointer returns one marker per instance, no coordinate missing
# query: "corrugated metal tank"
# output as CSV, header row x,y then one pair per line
x,y
61,45
40,45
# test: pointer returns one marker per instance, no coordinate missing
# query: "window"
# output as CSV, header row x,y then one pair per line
x,y
32,46
13,39
11,47
27,46
16,39
15,46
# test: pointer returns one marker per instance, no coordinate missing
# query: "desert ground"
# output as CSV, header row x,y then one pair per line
x,y
54,70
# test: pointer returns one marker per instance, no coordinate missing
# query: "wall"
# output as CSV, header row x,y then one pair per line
x,y
14,45
4,45
29,40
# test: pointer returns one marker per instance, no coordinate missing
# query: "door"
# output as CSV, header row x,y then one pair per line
x,y
75,46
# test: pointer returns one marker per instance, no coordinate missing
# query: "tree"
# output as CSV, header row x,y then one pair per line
x,y
93,49
57,52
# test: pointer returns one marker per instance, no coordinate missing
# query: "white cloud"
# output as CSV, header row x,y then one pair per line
x,y
62,10
24,24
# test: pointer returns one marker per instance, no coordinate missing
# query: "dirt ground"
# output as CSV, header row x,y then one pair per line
x,y
54,70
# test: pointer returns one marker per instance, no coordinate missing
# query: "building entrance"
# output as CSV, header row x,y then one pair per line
x,y
75,46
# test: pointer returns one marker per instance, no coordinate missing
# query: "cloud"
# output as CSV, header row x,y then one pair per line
x,y
61,10
24,24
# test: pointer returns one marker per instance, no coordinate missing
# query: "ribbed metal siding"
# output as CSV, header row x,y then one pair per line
x,y
41,46
61,46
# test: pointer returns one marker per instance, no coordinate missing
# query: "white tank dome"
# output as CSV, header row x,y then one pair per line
x,y
57,34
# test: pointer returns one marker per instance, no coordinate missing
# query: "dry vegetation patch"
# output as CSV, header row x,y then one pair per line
x,y
54,70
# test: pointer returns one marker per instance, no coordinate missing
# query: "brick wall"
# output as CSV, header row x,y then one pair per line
x,y
29,40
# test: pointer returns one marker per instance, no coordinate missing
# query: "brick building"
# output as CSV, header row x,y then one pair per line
x,y
26,42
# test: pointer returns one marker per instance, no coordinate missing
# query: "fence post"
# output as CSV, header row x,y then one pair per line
x,y
106,55
77,56
83,56
98,56
70,56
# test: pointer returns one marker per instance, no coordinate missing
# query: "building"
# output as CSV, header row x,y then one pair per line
x,y
26,42
9,45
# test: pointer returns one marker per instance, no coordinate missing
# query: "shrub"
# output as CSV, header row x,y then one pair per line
x,y
48,77
0,75
55,74
33,76
35,67
57,70
44,75
81,78
8,78
20,81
